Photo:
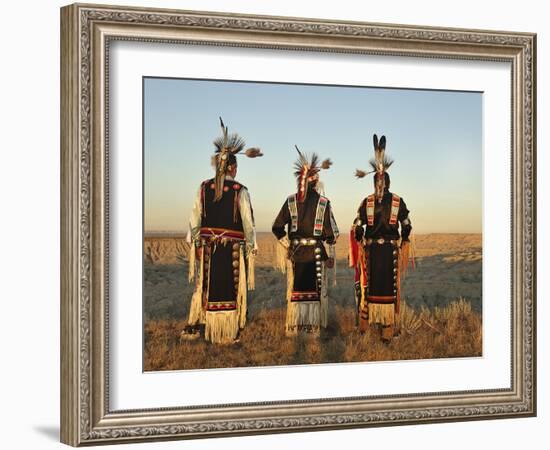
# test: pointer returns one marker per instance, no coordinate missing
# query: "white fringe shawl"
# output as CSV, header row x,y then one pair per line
x,y
332,254
192,261
251,262
281,254
302,313
222,327
305,313
289,270
241,293
324,298
383,314
196,311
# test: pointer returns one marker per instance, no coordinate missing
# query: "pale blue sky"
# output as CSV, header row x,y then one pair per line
x,y
435,138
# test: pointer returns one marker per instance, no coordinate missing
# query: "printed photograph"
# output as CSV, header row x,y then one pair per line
x,y
291,224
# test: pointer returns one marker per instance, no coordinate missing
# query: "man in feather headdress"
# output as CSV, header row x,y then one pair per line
x,y
303,225
223,245
376,251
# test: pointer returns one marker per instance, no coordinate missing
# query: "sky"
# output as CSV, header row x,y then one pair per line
x,y
434,137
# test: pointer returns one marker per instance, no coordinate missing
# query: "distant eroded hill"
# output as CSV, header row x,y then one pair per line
x,y
173,248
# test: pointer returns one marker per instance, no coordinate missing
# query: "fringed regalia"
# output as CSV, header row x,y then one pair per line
x,y
304,223
378,252
221,259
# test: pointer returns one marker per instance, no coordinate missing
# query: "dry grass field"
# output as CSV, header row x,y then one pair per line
x,y
441,317
453,331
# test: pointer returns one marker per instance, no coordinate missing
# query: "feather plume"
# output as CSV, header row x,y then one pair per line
x,y
379,158
382,143
228,143
314,164
299,152
310,165
306,169
326,164
380,162
301,163
253,152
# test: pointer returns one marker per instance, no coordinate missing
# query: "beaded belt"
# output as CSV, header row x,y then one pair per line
x,y
381,241
304,241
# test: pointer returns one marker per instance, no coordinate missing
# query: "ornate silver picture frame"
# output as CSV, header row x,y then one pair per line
x,y
87,32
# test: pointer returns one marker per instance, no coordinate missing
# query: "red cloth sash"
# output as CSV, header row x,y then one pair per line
x,y
221,233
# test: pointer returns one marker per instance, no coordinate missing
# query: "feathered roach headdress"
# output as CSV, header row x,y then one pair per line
x,y
307,170
227,147
380,164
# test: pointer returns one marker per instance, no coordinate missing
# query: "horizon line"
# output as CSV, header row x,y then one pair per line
x,y
341,234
